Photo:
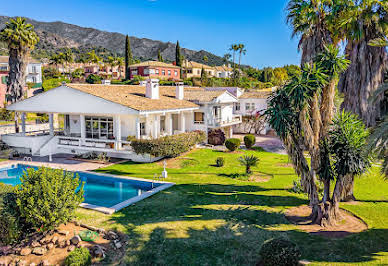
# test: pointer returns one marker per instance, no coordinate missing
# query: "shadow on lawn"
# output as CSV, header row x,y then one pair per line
x,y
238,241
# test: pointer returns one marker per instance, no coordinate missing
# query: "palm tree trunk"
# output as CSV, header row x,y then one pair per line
x,y
348,189
364,75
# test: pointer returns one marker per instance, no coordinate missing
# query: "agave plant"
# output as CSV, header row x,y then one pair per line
x,y
248,161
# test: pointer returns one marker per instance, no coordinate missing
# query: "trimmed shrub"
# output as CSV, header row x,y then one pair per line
x,y
249,141
93,79
216,137
232,144
48,197
220,161
169,146
279,251
79,257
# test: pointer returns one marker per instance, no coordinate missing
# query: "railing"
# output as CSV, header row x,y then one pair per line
x,y
36,133
95,144
219,122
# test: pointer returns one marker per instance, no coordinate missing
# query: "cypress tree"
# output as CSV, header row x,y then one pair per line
x,y
128,57
160,58
178,57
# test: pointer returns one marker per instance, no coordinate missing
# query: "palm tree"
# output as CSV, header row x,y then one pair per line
x,y
248,161
363,22
234,48
68,58
93,57
227,58
111,61
21,39
120,62
56,60
242,51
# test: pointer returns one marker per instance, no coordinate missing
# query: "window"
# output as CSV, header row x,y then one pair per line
x,y
142,129
134,72
199,117
34,69
217,112
176,73
152,71
162,124
157,71
99,127
33,79
169,72
199,72
237,106
250,106
163,72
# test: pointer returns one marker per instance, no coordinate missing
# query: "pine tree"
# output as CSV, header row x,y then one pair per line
x,y
160,57
128,57
178,56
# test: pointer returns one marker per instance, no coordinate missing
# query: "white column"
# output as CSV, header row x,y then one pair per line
x,y
146,127
51,122
156,125
118,132
169,124
206,117
83,129
137,128
182,121
230,131
23,124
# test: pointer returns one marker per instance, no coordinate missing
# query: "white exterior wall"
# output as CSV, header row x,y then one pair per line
x,y
260,104
75,124
34,73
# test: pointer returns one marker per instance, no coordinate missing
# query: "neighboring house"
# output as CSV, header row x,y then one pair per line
x,y
33,75
193,69
155,69
100,117
236,91
223,71
251,104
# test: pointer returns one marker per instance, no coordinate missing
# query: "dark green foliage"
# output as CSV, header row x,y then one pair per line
x,y
160,57
348,138
232,144
279,251
128,57
79,257
178,56
93,79
249,141
6,115
248,161
220,161
50,73
216,137
169,146
49,84
78,73
48,197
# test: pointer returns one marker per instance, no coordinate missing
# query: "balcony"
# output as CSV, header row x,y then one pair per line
x,y
218,122
103,145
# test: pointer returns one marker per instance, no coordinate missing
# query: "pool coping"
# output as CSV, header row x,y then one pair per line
x,y
123,204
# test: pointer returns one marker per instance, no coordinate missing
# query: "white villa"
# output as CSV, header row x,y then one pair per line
x,y
100,118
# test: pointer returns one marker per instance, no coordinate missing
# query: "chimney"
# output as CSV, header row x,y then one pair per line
x,y
179,93
152,89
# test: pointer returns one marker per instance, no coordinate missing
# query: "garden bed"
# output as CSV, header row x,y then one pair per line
x,y
349,223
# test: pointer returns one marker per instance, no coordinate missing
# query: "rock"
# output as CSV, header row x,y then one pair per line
x,y
101,230
118,245
303,262
44,263
4,251
35,244
63,232
76,223
79,244
71,248
75,240
112,235
12,263
50,246
68,243
39,251
62,244
22,263
25,251
54,239
98,252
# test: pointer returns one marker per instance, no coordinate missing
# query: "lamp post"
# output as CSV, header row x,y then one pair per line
x,y
164,173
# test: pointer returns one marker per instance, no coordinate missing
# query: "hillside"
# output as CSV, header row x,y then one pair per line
x,y
55,36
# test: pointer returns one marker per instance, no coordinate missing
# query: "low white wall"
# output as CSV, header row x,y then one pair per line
x,y
10,129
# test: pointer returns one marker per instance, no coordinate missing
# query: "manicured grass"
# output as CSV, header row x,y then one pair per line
x,y
211,218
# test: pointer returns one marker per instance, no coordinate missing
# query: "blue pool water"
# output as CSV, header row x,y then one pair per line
x,y
100,190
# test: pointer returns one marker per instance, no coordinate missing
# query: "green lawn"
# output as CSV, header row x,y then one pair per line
x,y
211,218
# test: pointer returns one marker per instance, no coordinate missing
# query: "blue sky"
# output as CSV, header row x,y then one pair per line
x,y
210,25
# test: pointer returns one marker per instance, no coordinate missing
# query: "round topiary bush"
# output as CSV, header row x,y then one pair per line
x,y
216,137
232,144
79,257
249,141
220,161
279,251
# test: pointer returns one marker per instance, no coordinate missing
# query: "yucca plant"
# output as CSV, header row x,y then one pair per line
x,y
248,161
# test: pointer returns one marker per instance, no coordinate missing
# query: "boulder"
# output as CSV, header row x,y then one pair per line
x,y
63,232
35,244
39,251
25,251
112,235
50,246
75,240
98,252
54,239
118,244
62,244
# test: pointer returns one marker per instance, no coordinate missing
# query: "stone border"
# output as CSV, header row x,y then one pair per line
x,y
121,205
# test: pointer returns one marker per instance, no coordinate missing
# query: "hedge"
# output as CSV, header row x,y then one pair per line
x,y
79,257
232,144
169,146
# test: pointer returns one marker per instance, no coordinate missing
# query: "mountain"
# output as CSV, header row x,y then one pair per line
x,y
55,36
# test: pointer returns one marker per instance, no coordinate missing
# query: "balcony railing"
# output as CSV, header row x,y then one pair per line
x,y
95,144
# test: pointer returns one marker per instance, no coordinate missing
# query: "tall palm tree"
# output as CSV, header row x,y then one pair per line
x,y
363,21
242,51
93,57
120,62
234,48
68,58
21,39
227,57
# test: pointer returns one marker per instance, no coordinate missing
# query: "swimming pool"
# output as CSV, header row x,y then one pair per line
x,y
105,193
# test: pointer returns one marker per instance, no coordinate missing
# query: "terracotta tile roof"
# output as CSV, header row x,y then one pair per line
x,y
223,68
133,97
154,64
193,94
192,64
255,95
4,59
